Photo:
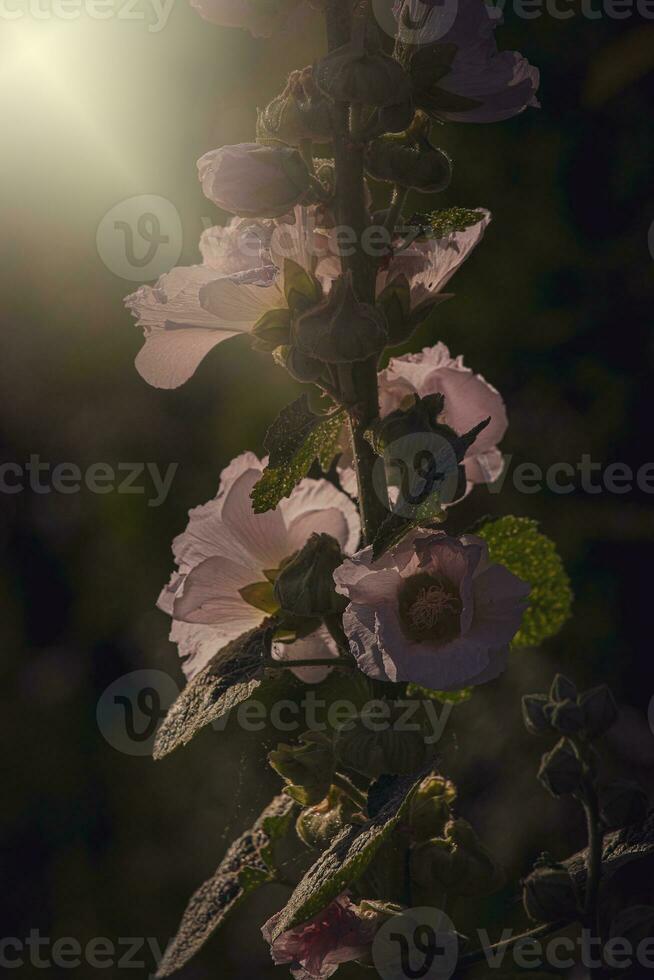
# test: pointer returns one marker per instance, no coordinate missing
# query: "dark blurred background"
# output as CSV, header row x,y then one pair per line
x,y
554,308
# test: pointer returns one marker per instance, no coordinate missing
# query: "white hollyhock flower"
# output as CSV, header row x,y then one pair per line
x,y
433,611
193,308
227,549
469,399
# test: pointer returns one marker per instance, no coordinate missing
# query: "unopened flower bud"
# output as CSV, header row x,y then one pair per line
x,y
623,804
308,768
300,112
317,826
305,585
254,181
534,714
415,165
561,770
429,810
549,894
437,863
567,718
340,329
360,72
600,710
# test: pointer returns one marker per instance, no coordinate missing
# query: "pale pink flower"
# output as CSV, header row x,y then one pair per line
x,y
254,180
193,308
433,611
498,84
314,950
227,547
469,399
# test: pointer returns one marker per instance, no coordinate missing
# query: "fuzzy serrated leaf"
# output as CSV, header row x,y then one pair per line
x,y
279,482
229,678
246,866
445,221
289,431
516,543
347,858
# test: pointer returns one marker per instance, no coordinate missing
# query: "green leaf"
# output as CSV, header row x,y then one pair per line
x,y
230,677
395,528
444,697
347,858
445,221
294,444
271,330
247,865
301,289
516,543
289,431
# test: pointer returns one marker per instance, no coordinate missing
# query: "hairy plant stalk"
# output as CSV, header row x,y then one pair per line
x,y
359,380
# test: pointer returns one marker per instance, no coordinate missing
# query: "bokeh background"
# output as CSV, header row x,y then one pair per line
x,y
555,308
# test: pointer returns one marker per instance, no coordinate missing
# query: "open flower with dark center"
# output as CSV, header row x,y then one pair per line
x,y
434,611
228,559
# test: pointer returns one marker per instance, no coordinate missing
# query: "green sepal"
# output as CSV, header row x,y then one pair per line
x,y
302,290
272,330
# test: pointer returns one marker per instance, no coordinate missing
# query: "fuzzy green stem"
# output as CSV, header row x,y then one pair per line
x,y
358,381
594,858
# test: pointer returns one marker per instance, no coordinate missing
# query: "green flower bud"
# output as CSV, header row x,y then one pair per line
x,y
360,72
416,165
429,810
305,585
623,804
317,826
549,894
308,768
561,770
437,863
567,718
340,329
534,714
562,689
299,113
600,710
372,744
483,875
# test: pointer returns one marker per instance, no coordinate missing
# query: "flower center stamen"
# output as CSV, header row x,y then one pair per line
x,y
430,608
